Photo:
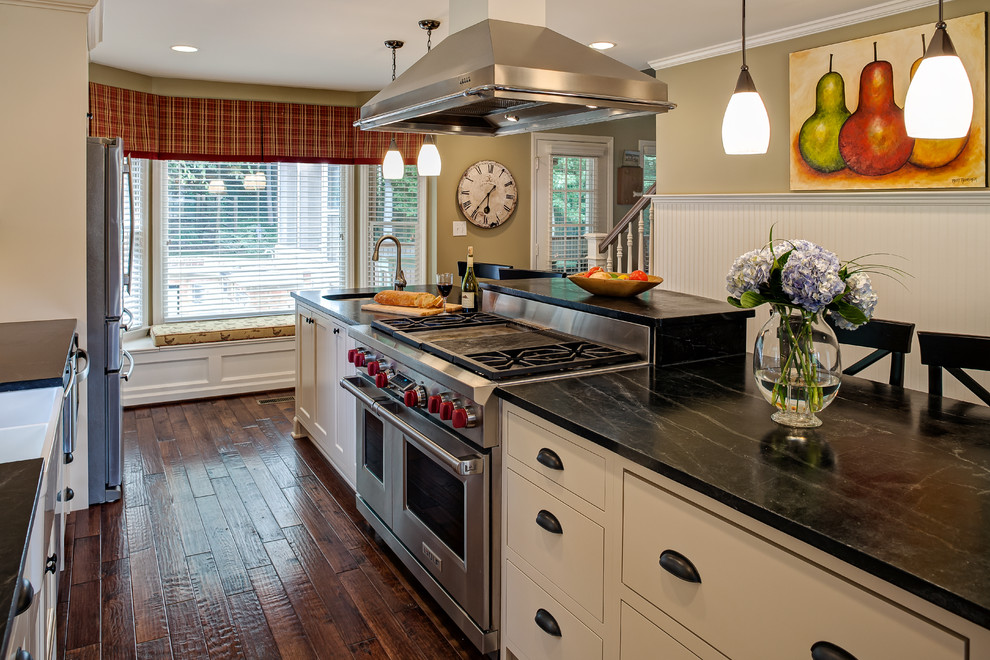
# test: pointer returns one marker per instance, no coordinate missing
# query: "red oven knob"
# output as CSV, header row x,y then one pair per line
x,y
373,368
463,418
433,403
410,398
446,410
351,354
359,358
381,379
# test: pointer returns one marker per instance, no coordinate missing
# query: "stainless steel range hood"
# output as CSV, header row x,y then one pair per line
x,y
499,78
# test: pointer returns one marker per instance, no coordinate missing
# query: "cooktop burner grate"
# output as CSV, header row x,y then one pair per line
x,y
528,361
436,322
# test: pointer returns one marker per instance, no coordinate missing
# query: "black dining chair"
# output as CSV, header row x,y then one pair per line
x,y
891,338
952,352
490,271
522,274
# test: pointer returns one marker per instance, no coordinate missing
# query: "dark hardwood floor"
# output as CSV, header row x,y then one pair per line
x,y
233,540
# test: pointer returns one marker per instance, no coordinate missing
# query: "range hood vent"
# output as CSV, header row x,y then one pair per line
x,y
499,78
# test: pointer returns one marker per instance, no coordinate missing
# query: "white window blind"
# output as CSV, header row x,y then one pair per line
x,y
394,207
136,300
237,238
574,204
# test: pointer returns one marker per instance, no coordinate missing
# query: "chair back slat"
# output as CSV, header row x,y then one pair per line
x,y
481,269
521,274
954,353
886,337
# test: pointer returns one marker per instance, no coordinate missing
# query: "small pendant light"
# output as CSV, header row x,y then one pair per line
x,y
939,102
393,167
428,162
745,125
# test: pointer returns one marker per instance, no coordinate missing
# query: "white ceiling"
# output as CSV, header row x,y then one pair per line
x,y
338,44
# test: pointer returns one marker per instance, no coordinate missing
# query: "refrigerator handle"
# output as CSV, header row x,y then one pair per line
x,y
126,325
130,233
130,364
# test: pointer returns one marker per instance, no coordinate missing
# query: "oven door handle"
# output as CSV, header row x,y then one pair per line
x,y
463,467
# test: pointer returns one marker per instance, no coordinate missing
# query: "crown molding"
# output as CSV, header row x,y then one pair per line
x,y
804,29
78,6
875,198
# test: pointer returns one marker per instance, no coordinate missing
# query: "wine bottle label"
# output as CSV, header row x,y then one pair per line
x,y
467,300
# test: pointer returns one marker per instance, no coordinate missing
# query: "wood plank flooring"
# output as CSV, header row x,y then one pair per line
x,y
233,540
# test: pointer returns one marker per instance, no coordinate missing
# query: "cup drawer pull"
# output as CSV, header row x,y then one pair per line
x,y
549,522
547,623
548,458
679,566
829,651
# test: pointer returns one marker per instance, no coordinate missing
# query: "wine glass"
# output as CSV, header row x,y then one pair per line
x,y
445,282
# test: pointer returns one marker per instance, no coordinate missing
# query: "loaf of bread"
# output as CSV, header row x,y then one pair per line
x,y
408,299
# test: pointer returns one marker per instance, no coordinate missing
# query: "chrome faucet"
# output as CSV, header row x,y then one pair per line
x,y
400,279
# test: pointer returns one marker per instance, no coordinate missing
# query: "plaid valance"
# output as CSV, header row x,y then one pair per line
x,y
177,128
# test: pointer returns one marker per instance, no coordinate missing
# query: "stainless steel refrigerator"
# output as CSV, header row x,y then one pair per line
x,y
104,286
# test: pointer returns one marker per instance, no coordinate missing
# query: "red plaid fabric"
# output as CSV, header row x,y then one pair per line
x,y
309,133
370,146
127,114
210,129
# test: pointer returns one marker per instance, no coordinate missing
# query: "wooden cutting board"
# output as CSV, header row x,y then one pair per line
x,y
408,311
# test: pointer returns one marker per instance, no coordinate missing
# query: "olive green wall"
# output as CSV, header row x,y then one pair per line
x,y
689,139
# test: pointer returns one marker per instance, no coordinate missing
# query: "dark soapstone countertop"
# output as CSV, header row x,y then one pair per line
x,y
34,353
656,307
19,484
894,482
345,304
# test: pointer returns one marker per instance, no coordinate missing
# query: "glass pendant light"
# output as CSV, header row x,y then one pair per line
x,y
428,161
393,166
745,125
939,102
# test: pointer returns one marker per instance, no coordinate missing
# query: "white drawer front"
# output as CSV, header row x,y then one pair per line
x,y
639,638
755,600
583,472
524,598
574,559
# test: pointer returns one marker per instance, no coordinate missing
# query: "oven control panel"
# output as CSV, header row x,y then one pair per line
x,y
415,391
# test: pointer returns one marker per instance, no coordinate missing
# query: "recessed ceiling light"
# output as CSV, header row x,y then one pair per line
x,y
179,48
602,45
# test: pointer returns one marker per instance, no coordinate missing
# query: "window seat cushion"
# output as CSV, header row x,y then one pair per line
x,y
204,332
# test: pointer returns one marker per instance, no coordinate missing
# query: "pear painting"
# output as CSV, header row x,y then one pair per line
x,y
847,129
819,136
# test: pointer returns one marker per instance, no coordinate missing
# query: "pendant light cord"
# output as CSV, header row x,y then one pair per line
x,y
393,63
941,21
744,35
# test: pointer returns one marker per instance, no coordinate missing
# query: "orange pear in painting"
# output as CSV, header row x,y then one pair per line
x,y
873,141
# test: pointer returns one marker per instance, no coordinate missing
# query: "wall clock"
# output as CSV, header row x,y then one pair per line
x,y
486,193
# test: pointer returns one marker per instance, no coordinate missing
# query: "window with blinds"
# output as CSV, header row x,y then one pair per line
x,y
237,238
395,207
135,300
573,200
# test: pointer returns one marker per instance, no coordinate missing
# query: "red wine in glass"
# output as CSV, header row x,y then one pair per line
x,y
445,282
444,289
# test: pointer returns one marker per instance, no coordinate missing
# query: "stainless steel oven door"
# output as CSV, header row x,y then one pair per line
x,y
374,455
441,510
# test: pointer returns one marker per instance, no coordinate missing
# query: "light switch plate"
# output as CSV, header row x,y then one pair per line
x,y
460,227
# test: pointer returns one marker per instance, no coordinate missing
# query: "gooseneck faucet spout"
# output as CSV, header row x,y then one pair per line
x,y
400,278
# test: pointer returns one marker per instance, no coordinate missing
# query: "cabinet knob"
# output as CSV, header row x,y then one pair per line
x,y
66,495
23,654
679,566
829,651
548,458
336,331
69,457
547,623
51,564
549,522
25,595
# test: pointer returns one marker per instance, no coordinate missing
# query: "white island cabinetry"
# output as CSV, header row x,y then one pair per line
x,y
728,586
324,411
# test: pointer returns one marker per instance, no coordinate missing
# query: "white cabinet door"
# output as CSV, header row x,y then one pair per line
x,y
305,368
326,387
344,446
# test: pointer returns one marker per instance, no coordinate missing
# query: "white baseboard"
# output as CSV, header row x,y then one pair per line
x,y
197,371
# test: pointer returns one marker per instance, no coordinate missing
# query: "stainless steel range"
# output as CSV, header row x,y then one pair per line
x,y
427,431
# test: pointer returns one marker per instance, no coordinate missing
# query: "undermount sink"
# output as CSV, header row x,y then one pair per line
x,y
24,417
363,295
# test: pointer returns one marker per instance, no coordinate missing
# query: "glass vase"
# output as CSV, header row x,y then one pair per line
x,y
796,364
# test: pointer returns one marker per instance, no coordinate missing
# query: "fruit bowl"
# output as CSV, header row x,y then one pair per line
x,y
614,287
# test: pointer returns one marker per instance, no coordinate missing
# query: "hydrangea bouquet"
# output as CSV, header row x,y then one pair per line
x,y
796,358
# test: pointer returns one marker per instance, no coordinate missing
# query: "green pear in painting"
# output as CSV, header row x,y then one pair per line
x,y
819,136
873,141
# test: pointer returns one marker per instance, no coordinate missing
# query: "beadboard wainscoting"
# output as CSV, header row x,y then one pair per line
x,y
941,238
198,371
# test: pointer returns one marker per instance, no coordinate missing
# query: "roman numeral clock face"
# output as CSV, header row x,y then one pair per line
x,y
487,193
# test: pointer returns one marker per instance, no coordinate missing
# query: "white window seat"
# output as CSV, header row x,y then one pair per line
x,y
182,372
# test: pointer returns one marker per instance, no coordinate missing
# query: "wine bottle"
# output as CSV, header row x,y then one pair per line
x,y
469,285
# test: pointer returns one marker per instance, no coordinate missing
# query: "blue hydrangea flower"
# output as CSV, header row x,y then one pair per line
x,y
810,278
861,295
749,272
